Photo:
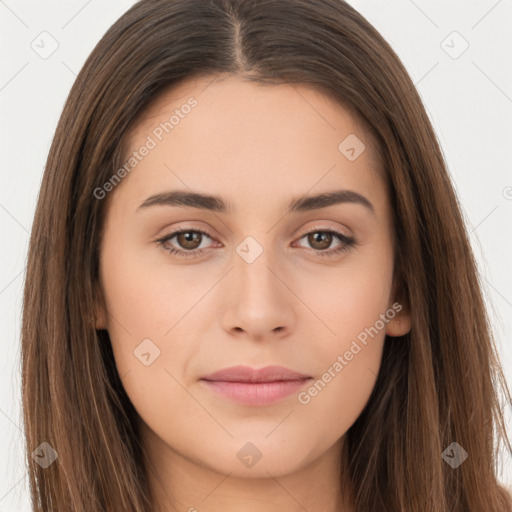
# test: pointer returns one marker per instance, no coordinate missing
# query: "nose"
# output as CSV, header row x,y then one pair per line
x,y
260,303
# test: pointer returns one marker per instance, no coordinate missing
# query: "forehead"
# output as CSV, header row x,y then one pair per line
x,y
230,135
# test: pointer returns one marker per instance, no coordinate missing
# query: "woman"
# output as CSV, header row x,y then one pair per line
x,y
249,284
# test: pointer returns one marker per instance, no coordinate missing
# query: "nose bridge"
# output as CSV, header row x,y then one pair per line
x,y
256,266
260,302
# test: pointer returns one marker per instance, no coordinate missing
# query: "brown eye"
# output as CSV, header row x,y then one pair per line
x,y
320,240
189,239
185,242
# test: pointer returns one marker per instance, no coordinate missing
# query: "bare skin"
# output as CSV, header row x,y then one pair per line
x,y
258,147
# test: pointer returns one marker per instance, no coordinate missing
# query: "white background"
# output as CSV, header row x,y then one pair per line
x,y
469,100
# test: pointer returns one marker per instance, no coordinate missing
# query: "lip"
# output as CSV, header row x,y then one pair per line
x,y
242,373
255,386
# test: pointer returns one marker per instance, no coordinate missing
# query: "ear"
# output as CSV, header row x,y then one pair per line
x,y
400,324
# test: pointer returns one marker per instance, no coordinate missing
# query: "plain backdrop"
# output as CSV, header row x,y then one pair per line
x,y
458,54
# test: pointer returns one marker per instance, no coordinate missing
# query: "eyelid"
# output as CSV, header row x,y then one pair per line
x,y
323,227
300,234
184,227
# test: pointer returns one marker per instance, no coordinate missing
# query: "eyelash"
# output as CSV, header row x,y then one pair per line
x,y
348,243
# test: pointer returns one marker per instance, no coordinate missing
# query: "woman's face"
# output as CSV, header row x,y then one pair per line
x,y
277,278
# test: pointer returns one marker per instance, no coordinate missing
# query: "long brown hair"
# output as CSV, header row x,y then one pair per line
x,y
437,385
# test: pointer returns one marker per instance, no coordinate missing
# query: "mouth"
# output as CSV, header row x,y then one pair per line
x,y
255,387
256,393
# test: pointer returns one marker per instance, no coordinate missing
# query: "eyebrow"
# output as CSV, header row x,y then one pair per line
x,y
218,204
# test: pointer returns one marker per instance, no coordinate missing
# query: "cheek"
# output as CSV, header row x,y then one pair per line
x,y
351,298
147,329
144,306
354,306
355,313
144,297
347,363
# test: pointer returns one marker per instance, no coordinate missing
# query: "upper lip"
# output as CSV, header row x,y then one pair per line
x,y
246,374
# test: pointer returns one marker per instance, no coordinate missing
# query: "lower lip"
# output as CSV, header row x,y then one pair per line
x,y
257,393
